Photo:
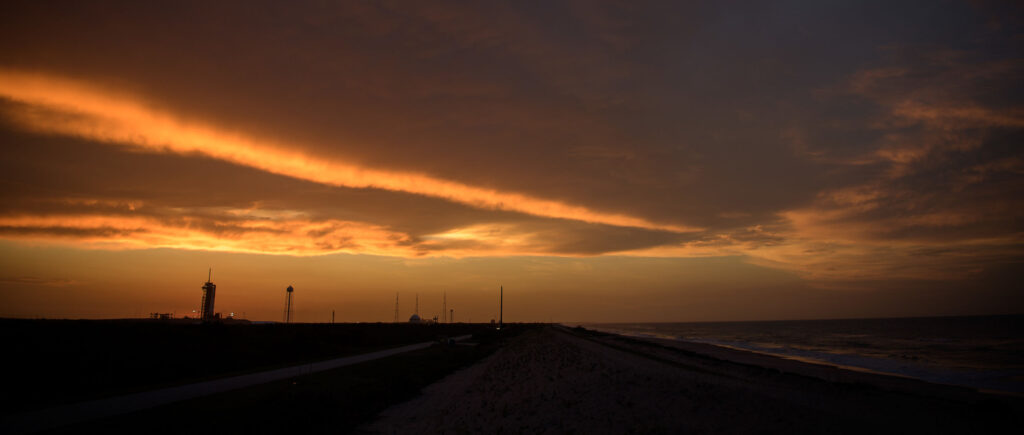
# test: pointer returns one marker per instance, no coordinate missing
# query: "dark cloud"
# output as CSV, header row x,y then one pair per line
x,y
785,128
948,131
62,231
36,281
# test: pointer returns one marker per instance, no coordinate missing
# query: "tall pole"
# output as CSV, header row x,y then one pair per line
x,y
501,306
332,317
396,307
444,308
288,304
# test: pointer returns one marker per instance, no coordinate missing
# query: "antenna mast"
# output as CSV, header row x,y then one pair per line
x,y
396,307
444,308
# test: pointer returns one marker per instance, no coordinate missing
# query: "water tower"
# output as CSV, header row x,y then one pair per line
x,y
288,304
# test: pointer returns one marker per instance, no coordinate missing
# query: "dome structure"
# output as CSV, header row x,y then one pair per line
x,y
415,318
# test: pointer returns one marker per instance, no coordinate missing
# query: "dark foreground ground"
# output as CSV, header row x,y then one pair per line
x,y
57,362
549,379
335,401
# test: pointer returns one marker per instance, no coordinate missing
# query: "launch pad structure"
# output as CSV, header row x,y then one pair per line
x,y
209,292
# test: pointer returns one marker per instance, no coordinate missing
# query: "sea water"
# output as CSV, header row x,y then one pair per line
x,y
982,352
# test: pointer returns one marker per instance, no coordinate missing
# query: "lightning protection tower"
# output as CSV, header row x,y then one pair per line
x,y
396,307
209,291
288,304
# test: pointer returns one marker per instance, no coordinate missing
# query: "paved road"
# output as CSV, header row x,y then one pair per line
x,y
95,409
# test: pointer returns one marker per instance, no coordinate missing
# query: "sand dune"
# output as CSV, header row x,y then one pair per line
x,y
557,380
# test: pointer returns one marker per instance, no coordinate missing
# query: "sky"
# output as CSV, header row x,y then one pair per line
x,y
602,161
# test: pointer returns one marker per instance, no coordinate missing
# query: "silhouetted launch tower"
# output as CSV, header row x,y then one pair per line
x,y
501,306
209,291
288,304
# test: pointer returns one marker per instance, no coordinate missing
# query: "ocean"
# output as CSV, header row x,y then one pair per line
x,y
982,352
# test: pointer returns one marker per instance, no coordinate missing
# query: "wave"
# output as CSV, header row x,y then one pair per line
x,y
984,353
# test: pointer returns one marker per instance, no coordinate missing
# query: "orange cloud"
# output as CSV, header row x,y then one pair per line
x,y
78,109
118,224
295,237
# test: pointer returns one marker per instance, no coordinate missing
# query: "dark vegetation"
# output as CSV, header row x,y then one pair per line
x,y
334,401
581,331
55,362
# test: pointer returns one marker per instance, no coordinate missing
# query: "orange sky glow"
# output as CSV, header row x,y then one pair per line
x,y
599,161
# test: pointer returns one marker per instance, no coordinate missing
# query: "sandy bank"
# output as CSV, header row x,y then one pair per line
x,y
557,380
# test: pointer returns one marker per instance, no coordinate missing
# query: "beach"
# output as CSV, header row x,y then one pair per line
x,y
572,380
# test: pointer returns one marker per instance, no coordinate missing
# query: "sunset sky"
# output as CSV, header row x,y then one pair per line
x,y
603,161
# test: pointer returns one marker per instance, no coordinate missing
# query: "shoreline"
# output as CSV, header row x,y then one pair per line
x,y
851,368
561,379
824,370
998,381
